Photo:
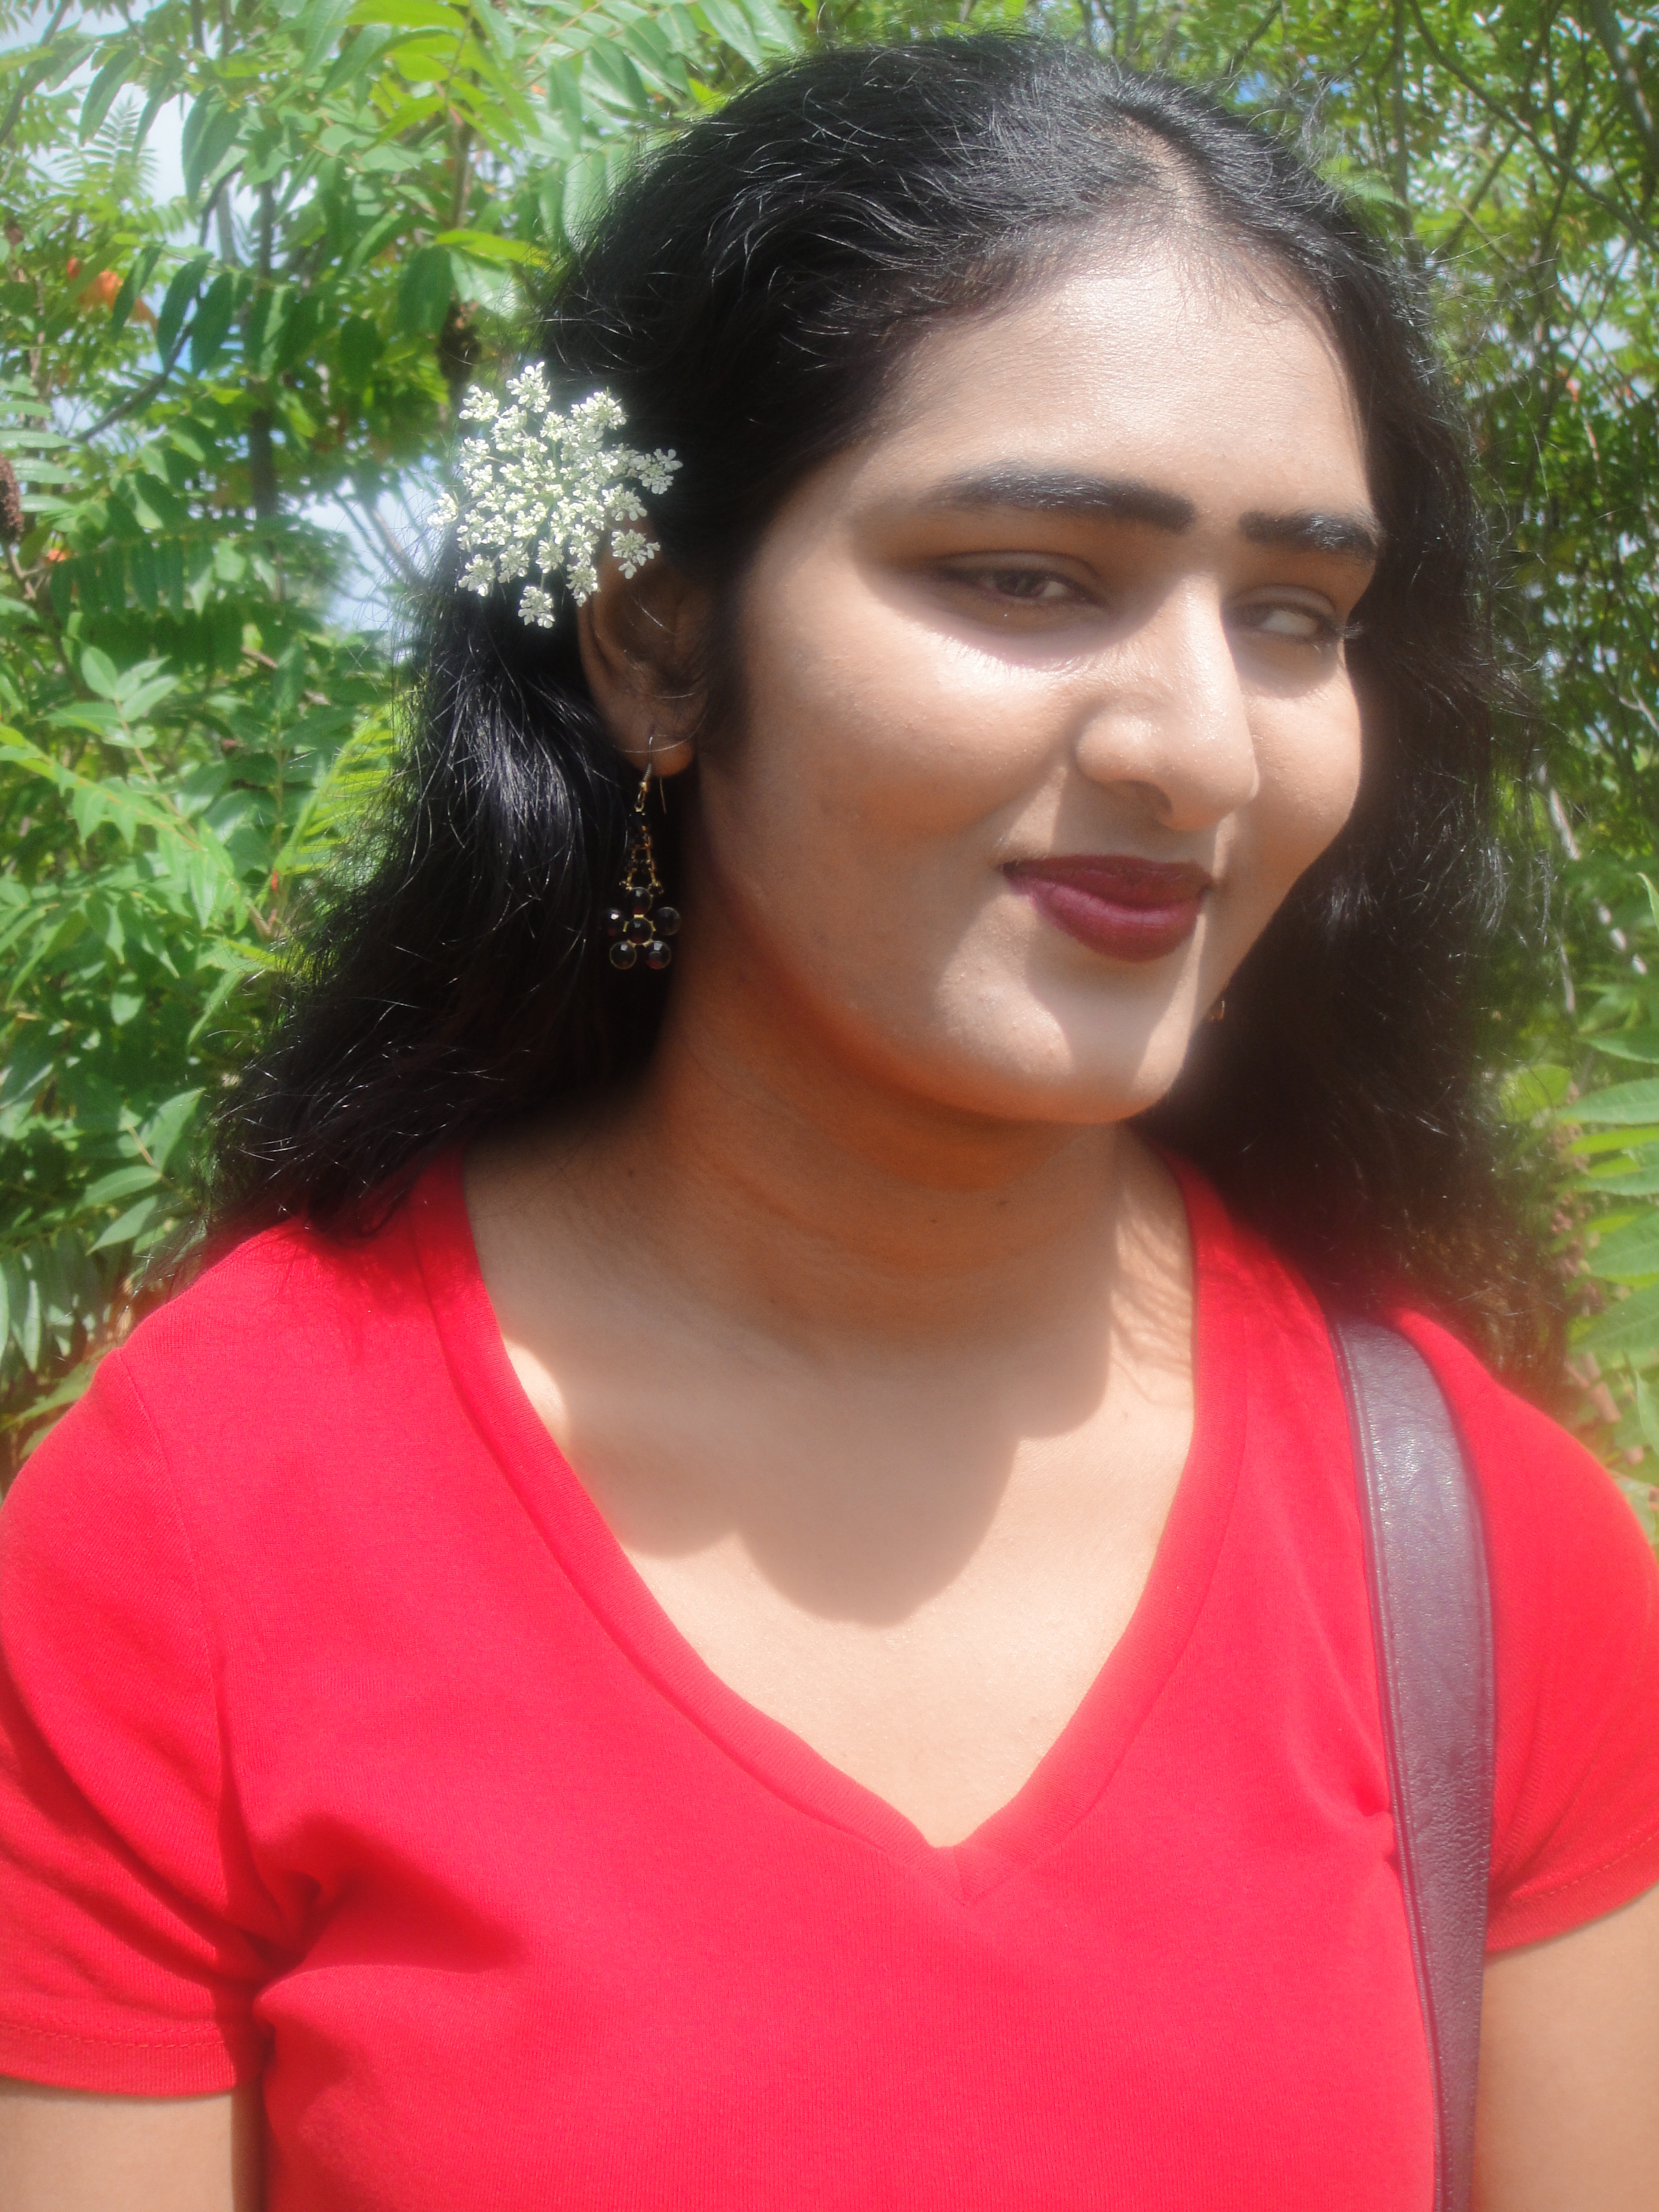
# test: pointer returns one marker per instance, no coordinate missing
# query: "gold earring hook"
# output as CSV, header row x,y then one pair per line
x,y
642,923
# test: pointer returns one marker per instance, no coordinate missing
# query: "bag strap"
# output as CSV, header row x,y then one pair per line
x,y
1431,1626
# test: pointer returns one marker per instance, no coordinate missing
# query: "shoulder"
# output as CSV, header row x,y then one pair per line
x,y
297,1359
1574,1597
1575,1593
287,1310
1553,1510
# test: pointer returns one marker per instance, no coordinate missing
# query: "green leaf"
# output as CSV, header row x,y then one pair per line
x,y
321,25
1532,1090
1631,1326
127,1224
409,14
160,1134
179,293
121,1184
732,24
1637,1045
1626,1102
99,673
28,1321
1640,1182
161,90
138,703
1588,1145
616,69
1647,1412
190,135
297,332
134,679
1629,1253
138,276
156,507
204,149
424,294
565,94
358,347
587,187
263,326
57,1400
212,324
376,240
485,245
216,998
287,682
101,93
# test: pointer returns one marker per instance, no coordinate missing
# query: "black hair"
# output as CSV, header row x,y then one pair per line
x,y
749,293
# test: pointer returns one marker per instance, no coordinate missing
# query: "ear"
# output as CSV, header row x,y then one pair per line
x,y
640,640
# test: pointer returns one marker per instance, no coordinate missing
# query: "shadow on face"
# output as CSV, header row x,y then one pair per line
x,y
1079,599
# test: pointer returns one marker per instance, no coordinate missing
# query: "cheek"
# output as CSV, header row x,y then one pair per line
x,y
860,754
1310,763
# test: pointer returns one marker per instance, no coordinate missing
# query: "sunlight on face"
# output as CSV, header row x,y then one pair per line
x,y
1046,705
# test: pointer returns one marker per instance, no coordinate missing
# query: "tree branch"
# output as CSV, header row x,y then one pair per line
x,y
463,176
1563,172
1466,209
1240,55
1610,32
1403,152
261,453
142,394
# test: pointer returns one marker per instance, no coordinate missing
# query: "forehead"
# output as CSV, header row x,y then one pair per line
x,y
1212,379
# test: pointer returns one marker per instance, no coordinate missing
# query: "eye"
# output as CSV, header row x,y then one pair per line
x,y
1031,585
1017,584
1295,621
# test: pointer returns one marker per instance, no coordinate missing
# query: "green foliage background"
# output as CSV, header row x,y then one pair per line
x,y
218,407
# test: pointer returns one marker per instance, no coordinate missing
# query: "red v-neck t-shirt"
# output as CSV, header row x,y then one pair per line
x,y
341,1745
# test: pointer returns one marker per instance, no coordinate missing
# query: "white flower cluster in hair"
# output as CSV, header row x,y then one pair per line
x,y
541,495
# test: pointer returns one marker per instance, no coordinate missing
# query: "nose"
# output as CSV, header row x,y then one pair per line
x,y
1172,716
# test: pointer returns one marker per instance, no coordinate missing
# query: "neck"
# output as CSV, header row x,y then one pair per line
x,y
793,1190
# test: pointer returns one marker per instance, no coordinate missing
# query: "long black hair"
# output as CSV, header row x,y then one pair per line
x,y
748,295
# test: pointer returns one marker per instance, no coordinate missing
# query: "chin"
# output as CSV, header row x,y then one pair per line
x,y
1074,1057
1079,1084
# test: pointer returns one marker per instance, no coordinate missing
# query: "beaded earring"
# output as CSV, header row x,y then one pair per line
x,y
639,923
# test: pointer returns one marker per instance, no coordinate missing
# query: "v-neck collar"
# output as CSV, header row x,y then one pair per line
x,y
1072,1774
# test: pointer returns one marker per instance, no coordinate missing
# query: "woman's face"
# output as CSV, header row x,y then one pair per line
x,y
1046,704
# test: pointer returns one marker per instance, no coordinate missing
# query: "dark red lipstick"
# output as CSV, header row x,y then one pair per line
x,y
1127,908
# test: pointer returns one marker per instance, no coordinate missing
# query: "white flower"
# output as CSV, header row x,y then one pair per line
x,y
631,552
542,494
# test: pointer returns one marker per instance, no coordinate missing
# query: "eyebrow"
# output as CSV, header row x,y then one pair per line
x,y
1128,499
1354,537
1050,491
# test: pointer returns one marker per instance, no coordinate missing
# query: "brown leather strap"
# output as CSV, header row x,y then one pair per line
x,y
1431,1621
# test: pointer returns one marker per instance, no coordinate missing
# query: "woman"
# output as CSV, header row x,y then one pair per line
x,y
755,1598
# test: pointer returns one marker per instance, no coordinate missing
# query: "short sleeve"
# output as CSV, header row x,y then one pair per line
x,y
1575,1592
133,1935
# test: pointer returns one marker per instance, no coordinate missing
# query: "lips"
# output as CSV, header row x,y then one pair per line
x,y
1127,908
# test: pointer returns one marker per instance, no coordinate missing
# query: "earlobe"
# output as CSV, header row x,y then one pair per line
x,y
640,640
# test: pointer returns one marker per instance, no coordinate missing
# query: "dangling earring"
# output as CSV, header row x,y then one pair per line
x,y
639,924
1218,1011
